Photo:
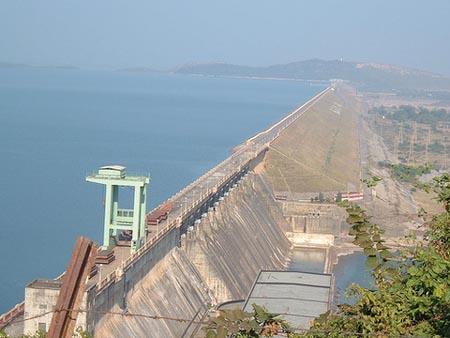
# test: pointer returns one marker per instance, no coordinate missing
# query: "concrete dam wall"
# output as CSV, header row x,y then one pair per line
x,y
217,261
217,240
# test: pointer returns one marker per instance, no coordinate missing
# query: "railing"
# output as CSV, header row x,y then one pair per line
x,y
251,149
125,213
9,316
127,263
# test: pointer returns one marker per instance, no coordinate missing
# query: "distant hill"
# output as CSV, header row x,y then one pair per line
x,y
24,65
364,75
139,70
12,65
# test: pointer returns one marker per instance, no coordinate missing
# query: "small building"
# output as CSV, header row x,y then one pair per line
x,y
352,196
298,297
41,296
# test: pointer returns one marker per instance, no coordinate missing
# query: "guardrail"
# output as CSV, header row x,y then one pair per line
x,y
296,111
9,316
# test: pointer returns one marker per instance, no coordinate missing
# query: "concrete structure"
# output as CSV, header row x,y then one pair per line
x,y
298,297
223,228
217,260
315,218
41,296
113,177
201,197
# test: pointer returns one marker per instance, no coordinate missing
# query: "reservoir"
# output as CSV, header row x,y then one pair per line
x,y
349,269
58,125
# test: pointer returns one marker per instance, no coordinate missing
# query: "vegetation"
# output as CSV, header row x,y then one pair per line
x,y
414,134
437,147
371,181
411,297
38,334
408,113
79,333
404,172
368,76
240,324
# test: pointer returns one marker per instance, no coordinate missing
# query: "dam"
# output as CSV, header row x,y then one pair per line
x,y
235,220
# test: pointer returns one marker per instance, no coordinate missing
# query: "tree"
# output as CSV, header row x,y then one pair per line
x,y
240,324
411,296
371,181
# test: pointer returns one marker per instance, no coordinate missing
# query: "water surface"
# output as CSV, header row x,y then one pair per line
x,y
308,260
56,126
351,269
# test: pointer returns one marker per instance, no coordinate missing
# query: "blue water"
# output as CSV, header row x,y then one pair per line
x,y
56,126
351,269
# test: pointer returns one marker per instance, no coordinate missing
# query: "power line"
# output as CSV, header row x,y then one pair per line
x,y
190,320
115,313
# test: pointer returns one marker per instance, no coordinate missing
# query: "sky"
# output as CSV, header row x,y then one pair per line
x,y
113,34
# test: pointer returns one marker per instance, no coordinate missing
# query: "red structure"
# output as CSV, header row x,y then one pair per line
x,y
71,294
159,214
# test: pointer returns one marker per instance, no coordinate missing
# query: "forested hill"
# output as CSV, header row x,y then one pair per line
x,y
363,75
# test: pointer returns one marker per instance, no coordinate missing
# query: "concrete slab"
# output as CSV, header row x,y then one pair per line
x,y
298,297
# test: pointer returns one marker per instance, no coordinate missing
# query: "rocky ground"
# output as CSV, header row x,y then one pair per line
x,y
392,204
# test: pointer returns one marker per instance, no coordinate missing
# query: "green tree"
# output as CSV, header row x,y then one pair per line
x,y
412,293
371,181
411,296
240,324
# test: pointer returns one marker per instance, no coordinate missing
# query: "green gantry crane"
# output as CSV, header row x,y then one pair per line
x,y
113,177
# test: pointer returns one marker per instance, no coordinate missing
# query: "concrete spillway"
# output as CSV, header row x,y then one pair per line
x,y
218,260
174,288
241,237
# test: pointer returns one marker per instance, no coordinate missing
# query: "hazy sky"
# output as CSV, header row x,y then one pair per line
x,y
166,33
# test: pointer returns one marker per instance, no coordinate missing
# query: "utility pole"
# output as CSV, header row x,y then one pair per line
x,y
412,142
427,143
381,129
401,132
399,140
445,157
410,148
